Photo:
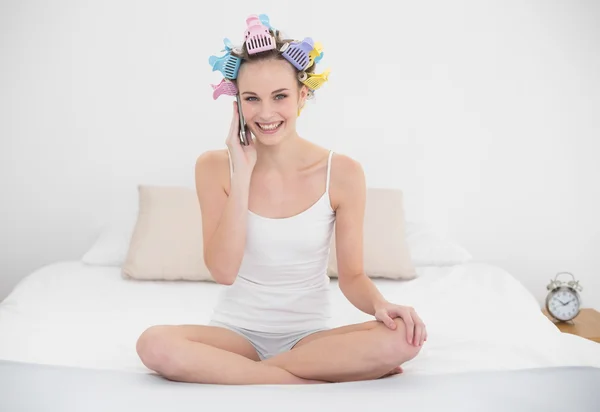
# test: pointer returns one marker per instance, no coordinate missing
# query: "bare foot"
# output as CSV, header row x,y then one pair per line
x,y
395,371
301,381
291,379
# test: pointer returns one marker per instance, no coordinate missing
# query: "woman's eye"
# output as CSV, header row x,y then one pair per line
x,y
277,97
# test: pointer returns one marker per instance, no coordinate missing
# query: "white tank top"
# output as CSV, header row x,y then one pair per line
x,y
282,284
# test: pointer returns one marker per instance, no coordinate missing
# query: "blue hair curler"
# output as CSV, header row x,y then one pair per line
x,y
318,58
264,19
229,47
228,64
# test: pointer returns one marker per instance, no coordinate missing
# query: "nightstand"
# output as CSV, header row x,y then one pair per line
x,y
586,324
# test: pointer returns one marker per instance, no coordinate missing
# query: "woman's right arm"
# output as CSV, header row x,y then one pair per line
x,y
224,216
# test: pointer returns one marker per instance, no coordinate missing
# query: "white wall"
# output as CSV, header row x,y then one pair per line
x,y
486,114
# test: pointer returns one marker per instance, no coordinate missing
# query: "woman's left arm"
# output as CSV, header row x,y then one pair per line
x,y
348,189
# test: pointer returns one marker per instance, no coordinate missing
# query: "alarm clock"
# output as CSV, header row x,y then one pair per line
x,y
563,301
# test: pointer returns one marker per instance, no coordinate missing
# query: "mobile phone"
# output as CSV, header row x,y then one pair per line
x,y
243,126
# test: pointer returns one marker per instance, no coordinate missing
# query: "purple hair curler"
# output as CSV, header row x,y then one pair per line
x,y
297,53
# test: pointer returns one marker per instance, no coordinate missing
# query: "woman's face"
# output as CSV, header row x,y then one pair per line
x,y
270,98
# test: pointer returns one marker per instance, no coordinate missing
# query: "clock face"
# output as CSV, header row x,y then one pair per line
x,y
563,305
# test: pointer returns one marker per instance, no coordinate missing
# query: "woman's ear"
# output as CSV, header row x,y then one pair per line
x,y
304,92
303,95
301,100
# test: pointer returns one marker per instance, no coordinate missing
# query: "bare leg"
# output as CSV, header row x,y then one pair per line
x,y
179,353
370,351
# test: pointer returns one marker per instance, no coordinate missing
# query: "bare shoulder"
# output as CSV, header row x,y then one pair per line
x,y
345,164
347,183
212,166
212,158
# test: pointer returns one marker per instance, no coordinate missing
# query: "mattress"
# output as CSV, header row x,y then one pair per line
x,y
69,322
478,317
33,387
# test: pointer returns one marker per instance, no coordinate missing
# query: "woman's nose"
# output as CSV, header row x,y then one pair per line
x,y
266,111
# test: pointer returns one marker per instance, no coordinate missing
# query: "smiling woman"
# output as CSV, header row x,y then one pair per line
x,y
269,209
270,99
271,86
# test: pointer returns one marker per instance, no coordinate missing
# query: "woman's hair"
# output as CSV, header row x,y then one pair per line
x,y
280,41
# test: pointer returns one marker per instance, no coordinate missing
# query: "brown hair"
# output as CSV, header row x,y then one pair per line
x,y
242,53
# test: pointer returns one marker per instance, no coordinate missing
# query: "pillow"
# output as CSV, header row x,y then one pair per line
x,y
385,251
426,246
166,243
110,248
429,248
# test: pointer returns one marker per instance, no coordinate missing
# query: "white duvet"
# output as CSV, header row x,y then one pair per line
x,y
478,317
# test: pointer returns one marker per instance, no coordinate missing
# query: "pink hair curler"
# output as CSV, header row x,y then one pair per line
x,y
257,36
226,87
298,53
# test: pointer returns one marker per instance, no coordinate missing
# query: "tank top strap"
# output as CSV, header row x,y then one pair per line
x,y
328,171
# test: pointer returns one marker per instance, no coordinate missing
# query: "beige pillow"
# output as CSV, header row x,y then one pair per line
x,y
385,250
166,243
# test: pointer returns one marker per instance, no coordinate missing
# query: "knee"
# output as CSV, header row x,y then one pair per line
x,y
154,348
394,347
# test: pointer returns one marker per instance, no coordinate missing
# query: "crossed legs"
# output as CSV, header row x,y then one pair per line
x,y
206,354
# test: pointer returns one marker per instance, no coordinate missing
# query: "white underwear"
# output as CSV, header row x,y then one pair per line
x,y
268,344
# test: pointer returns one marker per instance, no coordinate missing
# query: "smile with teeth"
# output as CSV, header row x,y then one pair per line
x,y
269,127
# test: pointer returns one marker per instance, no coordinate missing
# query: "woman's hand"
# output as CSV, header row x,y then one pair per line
x,y
416,333
243,157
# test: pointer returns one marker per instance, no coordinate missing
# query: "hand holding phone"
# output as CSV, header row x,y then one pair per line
x,y
243,128
240,143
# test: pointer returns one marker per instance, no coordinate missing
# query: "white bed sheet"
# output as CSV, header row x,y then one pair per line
x,y
478,318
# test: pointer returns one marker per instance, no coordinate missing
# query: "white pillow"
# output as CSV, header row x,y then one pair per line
x,y
426,246
111,246
429,248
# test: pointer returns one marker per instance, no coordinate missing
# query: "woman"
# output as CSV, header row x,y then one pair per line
x,y
268,213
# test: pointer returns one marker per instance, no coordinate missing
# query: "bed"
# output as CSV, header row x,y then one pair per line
x,y
68,333
68,330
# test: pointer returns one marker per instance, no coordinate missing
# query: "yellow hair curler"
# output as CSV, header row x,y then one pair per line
x,y
314,81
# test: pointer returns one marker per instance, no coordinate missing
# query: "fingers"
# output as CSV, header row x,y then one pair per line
x,y
416,333
234,126
249,138
420,330
389,322
410,325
